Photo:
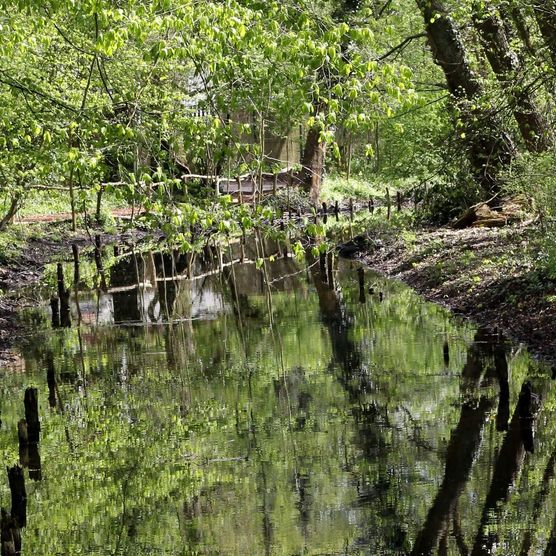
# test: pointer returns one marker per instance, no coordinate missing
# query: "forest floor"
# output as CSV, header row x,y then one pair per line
x,y
490,275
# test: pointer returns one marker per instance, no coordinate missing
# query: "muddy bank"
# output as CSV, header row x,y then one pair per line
x,y
487,275
19,273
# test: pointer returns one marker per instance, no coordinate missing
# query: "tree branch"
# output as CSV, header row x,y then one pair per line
x,y
402,45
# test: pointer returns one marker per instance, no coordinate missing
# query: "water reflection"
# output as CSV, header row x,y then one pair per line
x,y
281,408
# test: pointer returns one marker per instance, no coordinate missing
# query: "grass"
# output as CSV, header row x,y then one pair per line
x,y
14,239
39,203
338,188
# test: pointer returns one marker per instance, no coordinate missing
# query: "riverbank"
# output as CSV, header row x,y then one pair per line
x,y
25,250
488,275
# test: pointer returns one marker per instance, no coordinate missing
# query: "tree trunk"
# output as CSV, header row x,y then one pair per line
x,y
11,212
98,210
545,14
508,70
489,146
312,171
513,12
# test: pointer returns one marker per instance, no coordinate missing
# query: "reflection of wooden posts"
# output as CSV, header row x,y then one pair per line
x,y
351,208
55,308
361,280
446,353
336,210
388,204
399,201
16,481
51,380
63,295
11,535
29,435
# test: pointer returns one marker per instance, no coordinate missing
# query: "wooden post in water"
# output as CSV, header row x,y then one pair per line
x,y
23,439
399,201
99,264
275,184
361,280
446,353
63,295
371,205
322,264
526,417
76,273
60,280
55,308
351,208
31,403
51,380
388,204
16,481
330,269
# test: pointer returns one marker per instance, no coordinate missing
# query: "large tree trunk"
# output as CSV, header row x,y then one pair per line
x,y
508,70
312,171
489,146
512,14
545,14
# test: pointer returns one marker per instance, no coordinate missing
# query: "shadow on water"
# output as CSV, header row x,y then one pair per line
x,y
234,407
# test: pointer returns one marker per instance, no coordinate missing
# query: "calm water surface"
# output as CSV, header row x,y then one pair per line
x,y
289,409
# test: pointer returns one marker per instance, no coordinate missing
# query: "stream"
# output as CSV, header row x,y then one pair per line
x,y
214,406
